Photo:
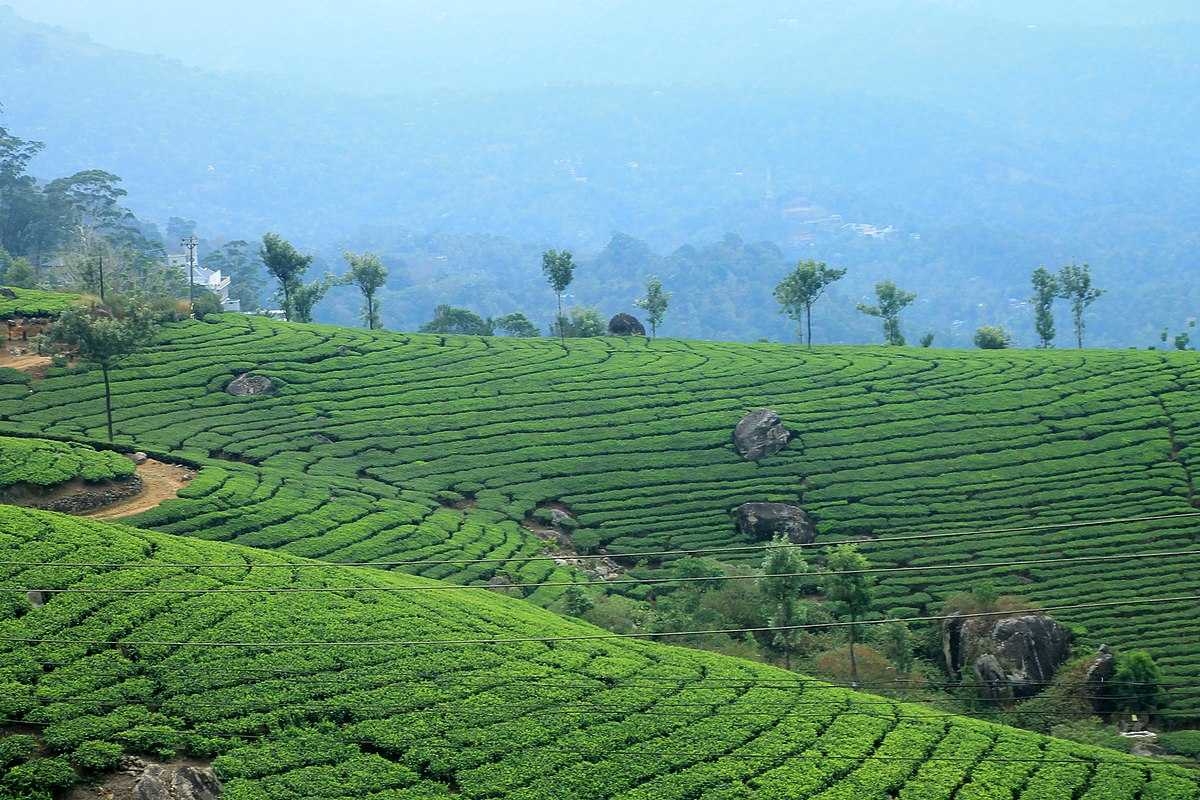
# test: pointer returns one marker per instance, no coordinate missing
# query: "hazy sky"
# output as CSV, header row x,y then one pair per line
x,y
384,44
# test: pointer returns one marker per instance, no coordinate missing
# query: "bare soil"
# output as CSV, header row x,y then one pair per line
x,y
33,365
160,481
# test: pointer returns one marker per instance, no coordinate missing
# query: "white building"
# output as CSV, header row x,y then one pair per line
x,y
210,279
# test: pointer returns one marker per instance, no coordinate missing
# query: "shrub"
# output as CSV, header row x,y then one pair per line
x,y
992,337
97,756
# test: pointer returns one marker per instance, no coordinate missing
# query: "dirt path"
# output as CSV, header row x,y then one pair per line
x,y
159,482
33,364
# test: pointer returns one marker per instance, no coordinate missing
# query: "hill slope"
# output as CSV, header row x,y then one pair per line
x,y
307,681
393,447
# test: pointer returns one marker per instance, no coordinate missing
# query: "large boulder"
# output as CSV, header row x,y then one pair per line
x,y
1100,670
1028,648
625,325
167,782
248,384
763,521
990,674
760,434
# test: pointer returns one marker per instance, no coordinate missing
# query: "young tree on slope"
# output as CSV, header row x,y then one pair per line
x,y
559,269
1075,284
654,304
850,587
286,265
782,589
369,275
305,296
1045,290
890,301
104,341
802,287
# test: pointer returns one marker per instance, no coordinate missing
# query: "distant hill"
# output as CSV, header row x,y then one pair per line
x,y
1047,147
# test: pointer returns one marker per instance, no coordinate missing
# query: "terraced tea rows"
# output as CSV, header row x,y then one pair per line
x,y
303,683
365,431
45,463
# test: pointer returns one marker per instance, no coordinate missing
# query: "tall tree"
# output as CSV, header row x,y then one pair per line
x,y
803,287
852,588
559,269
890,301
516,324
448,319
286,265
1045,290
104,341
654,304
1075,284
369,275
782,584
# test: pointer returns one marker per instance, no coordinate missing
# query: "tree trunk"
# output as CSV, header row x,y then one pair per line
x,y
853,661
808,321
287,304
562,335
107,401
370,313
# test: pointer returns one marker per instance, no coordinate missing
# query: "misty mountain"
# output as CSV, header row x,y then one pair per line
x,y
996,147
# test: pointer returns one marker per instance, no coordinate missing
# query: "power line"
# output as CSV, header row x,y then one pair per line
x,y
616,581
579,637
590,556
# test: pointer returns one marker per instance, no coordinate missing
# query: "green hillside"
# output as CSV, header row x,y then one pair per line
x,y
301,680
391,447
44,463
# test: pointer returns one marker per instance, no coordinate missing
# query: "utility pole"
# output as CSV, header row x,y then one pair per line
x,y
190,242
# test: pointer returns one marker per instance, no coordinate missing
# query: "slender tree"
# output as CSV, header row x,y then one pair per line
x,y
104,341
1075,284
802,287
559,269
1045,290
305,296
286,265
782,589
890,301
850,587
369,275
654,304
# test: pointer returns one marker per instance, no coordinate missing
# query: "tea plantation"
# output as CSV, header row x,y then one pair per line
x,y
302,682
392,447
44,463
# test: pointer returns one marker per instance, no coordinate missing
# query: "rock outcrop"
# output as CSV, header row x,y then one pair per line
x,y
1100,670
1027,649
7,293
164,782
625,325
760,434
763,521
248,384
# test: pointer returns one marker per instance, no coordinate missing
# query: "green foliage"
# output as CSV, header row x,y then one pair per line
x,y
782,585
516,324
1139,679
1182,341
803,287
97,756
1182,743
927,340
457,320
890,301
559,269
237,260
1045,291
580,323
369,275
896,642
576,601
1091,731
46,463
991,337
303,297
36,303
20,274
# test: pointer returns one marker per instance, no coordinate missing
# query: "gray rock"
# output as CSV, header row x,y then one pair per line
x,y
37,598
248,385
762,521
1099,671
759,434
7,293
194,783
138,457
625,325
1028,647
990,675
152,784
